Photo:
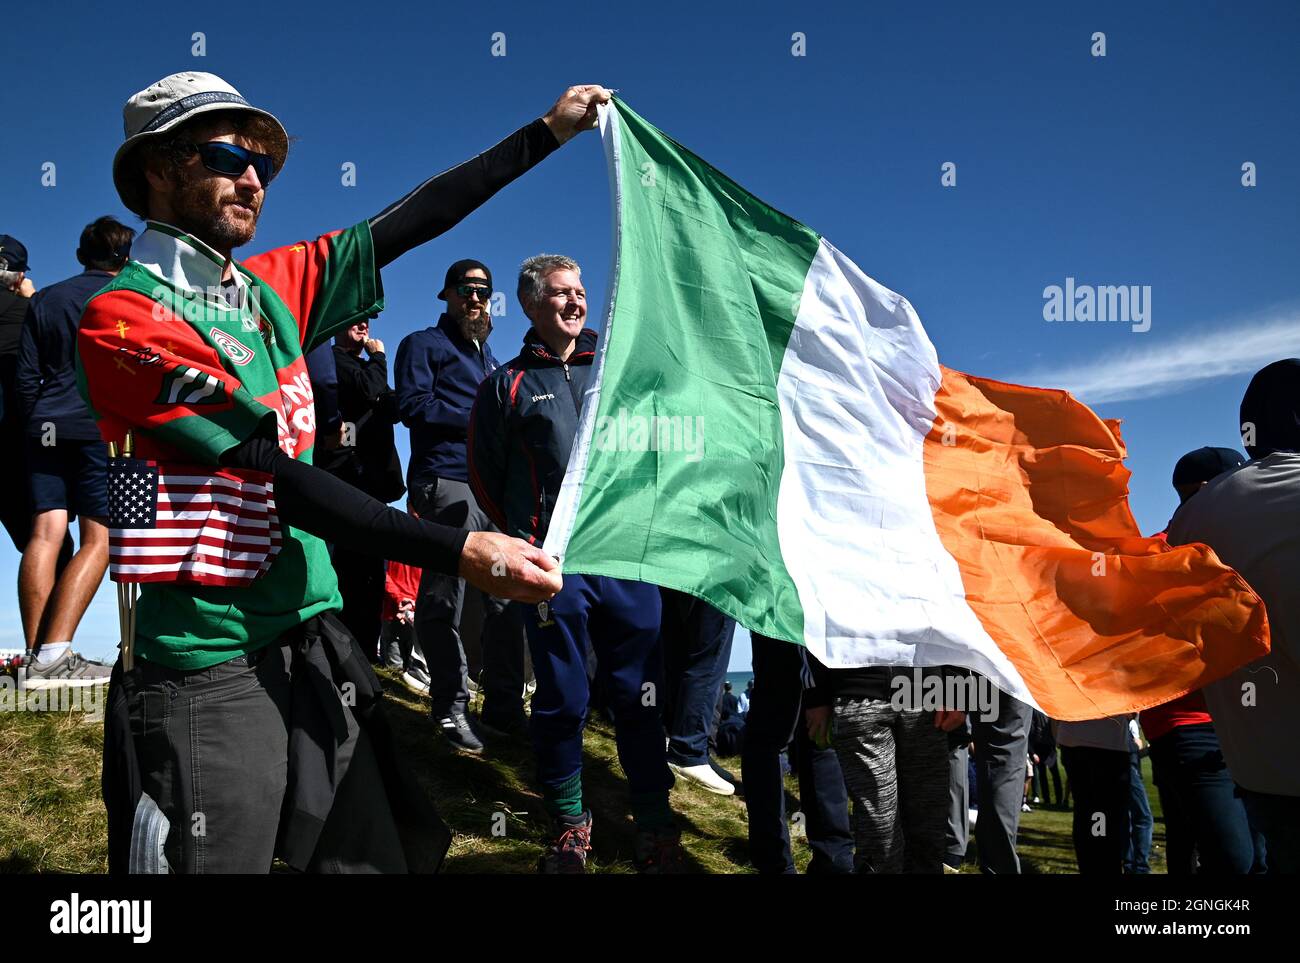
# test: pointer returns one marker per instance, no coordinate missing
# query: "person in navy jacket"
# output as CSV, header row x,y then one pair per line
x,y
437,375
67,465
521,432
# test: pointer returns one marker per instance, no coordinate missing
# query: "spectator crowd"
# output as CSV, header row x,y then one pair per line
x,y
231,694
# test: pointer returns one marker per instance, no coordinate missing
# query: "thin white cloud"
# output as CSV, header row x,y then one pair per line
x,y
1158,368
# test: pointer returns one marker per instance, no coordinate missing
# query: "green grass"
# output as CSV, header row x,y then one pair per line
x,y
52,821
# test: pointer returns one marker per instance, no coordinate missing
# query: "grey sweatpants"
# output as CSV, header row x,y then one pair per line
x,y
895,765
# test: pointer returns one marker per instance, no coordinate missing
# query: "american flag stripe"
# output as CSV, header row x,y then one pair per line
x,y
214,500
212,575
239,526
182,549
186,535
230,514
183,524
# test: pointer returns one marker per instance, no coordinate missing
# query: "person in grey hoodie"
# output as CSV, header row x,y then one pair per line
x,y
1251,518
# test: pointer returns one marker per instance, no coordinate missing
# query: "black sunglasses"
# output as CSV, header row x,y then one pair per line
x,y
465,290
232,160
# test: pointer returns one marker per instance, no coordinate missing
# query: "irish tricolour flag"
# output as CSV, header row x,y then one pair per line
x,y
770,429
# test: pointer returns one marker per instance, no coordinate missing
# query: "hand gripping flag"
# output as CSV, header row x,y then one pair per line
x,y
770,430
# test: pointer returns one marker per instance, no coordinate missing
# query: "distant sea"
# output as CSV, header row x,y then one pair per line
x,y
739,680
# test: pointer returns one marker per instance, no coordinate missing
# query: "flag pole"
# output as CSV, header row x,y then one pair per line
x,y
126,592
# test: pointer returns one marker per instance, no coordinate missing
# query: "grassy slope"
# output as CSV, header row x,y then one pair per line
x,y
51,819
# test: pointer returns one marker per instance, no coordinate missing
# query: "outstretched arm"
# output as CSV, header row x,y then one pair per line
x,y
447,198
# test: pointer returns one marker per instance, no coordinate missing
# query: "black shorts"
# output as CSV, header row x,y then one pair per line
x,y
72,475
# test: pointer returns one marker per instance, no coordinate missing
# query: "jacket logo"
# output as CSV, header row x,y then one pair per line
x,y
543,397
142,356
184,385
543,613
231,347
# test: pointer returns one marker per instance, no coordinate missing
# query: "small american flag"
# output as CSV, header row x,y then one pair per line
x,y
181,523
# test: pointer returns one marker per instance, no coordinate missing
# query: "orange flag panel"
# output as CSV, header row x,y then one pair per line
x,y
1030,496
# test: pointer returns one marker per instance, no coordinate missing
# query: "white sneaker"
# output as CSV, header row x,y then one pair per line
x,y
416,680
704,777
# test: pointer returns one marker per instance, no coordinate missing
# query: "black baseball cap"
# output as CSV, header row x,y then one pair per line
x,y
13,253
1205,464
456,273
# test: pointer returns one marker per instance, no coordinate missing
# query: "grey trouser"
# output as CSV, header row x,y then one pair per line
x,y
895,765
1001,748
958,805
438,617
213,751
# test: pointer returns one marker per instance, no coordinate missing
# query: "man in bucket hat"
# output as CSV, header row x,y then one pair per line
x,y
233,720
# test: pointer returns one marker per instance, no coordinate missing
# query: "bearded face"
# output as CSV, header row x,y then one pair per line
x,y
218,210
472,314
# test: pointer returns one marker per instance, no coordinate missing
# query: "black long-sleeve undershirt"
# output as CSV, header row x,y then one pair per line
x,y
309,498
312,499
447,198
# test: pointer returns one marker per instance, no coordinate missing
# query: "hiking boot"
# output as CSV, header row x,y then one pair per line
x,y
705,777
567,849
67,671
659,852
416,679
455,727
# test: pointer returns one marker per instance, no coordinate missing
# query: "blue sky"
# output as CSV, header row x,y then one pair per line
x,y
1117,170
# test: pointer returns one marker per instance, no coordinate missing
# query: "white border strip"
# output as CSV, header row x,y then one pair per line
x,y
565,512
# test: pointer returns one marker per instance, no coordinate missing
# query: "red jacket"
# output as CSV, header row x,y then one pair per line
x,y
401,582
1186,710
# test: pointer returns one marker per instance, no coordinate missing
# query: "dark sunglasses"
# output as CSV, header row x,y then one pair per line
x,y
232,160
465,290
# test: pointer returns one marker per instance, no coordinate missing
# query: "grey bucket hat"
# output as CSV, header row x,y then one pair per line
x,y
161,106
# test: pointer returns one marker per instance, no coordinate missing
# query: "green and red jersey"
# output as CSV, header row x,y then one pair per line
x,y
164,354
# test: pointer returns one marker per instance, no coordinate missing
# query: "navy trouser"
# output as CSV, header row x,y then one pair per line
x,y
1137,854
1203,815
775,718
696,640
1099,781
621,620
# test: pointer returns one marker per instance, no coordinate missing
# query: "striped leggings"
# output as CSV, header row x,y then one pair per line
x,y
895,765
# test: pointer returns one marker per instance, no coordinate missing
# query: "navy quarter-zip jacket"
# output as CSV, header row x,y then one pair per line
x,y
437,375
522,430
47,359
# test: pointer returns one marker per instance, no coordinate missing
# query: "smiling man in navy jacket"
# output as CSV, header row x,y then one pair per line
x,y
437,375
521,433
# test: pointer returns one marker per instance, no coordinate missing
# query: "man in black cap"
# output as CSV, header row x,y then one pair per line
x,y
437,376
1251,518
1198,468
